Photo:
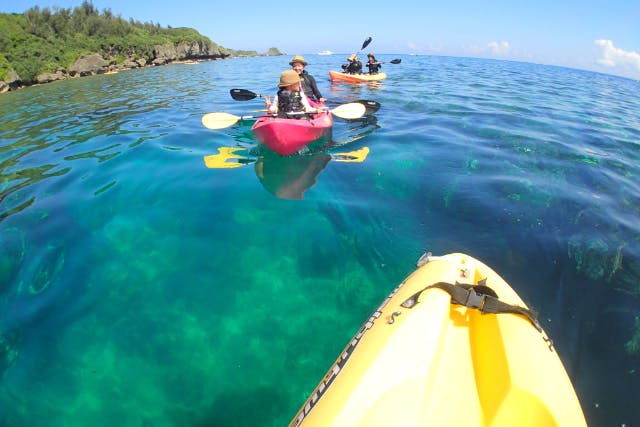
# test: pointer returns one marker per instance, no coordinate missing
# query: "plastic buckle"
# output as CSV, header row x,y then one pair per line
x,y
475,300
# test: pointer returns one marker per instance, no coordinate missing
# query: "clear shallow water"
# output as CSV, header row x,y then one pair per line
x,y
139,287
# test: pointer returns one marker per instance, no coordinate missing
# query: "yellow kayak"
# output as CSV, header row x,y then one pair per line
x,y
452,345
337,76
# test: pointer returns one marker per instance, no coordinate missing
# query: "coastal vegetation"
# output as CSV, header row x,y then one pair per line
x,y
41,43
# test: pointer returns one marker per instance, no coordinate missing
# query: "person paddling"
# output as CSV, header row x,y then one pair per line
x,y
290,101
354,66
373,64
309,86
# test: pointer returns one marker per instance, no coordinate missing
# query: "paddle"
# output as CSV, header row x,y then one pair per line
x,y
246,95
370,106
219,161
221,120
365,44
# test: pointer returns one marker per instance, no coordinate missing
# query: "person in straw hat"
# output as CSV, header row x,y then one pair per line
x,y
290,101
354,65
309,86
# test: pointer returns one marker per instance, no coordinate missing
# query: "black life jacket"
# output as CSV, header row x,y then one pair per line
x,y
374,67
354,67
289,101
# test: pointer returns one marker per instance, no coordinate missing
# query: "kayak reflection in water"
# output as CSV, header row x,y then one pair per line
x,y
284,177
290,177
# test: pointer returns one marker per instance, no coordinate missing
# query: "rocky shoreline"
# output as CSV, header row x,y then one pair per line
x,y
96,64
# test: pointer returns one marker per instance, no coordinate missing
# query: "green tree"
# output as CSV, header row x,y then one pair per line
x,y
42,39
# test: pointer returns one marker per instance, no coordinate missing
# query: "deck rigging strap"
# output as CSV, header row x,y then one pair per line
x,y
478,296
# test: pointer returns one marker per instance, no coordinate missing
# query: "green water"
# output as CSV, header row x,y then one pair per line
x,y
140,288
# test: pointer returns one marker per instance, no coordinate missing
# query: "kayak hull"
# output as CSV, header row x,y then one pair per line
x,y
441,364
287,136
337,76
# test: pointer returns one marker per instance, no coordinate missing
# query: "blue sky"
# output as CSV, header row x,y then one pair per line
x,y
586,34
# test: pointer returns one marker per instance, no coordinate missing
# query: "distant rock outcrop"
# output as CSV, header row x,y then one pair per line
x,y
52,77
88,65
274,51
11,82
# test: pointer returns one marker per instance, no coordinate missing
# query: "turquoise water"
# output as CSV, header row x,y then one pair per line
x,y
140,287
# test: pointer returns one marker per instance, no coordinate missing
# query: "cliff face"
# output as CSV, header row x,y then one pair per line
x,y
185,50
96,64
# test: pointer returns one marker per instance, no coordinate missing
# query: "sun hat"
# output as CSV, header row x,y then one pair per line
x,y
298,58
288,78
371,55
352,57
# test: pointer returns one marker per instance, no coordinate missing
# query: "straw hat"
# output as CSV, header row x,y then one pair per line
x,y
298,58
288,78
352,57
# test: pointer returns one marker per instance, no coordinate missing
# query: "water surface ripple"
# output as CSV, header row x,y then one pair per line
x,y
140,287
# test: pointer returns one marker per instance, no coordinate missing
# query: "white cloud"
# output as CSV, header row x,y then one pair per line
x,y
499,48
494,48
611,56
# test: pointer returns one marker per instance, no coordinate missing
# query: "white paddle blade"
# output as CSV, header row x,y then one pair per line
x,y
353,110
219,120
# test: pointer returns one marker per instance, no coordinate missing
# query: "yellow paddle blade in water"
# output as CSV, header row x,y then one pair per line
x,y
219,161
357,156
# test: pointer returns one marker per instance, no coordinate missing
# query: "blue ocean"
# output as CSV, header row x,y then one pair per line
x,y
144,283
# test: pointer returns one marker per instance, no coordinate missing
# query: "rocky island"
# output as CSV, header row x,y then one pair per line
x,y
42,46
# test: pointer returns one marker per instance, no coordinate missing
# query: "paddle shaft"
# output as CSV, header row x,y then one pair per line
x,y
246,95
221,120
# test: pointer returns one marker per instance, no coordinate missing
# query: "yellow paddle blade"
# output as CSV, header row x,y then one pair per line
x,y
357,156
219,120
219,161
353,110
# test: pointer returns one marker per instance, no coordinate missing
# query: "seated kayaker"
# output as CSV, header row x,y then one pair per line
x,y
373,64
354,66
290,101
309,86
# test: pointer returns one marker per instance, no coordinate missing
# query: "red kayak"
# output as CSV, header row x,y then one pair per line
x,y
287,136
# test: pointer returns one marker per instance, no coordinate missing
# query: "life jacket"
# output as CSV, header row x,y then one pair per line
x,y
354,67
374,67
289,101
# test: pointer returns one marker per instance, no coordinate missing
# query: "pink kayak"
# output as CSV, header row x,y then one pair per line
x,y
287,136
